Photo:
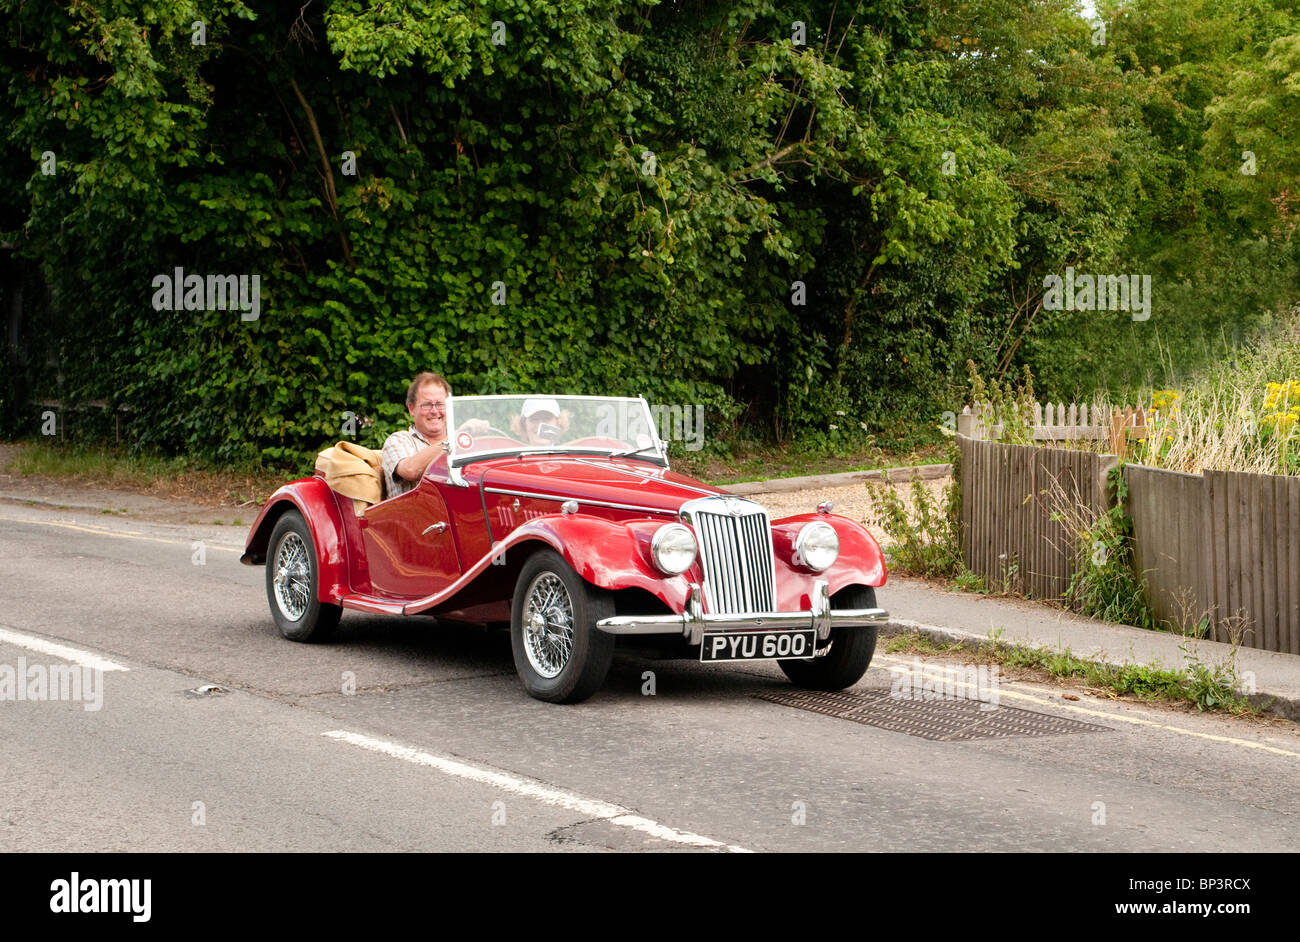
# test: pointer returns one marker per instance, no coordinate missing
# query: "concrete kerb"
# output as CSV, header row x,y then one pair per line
x,y
1284,705
121,503
925,472
125,505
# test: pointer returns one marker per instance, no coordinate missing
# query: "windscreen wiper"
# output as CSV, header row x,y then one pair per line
x,y
636,452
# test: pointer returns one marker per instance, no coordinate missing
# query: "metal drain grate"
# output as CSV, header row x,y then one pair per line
x,y
938,720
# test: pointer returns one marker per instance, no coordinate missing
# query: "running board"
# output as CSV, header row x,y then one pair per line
x,y
364,603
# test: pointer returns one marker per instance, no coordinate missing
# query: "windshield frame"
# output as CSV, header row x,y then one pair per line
x,y
655,453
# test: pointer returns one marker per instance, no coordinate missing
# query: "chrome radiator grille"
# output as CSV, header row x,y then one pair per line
x,y
735,553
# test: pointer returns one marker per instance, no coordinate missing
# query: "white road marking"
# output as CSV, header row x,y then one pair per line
x,y
120,534
529,788
1052,700
75,655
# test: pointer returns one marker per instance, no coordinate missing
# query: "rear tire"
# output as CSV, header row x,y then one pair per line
x,y
293,580
845,657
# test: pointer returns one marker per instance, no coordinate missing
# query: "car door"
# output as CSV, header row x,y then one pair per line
x,y
410,547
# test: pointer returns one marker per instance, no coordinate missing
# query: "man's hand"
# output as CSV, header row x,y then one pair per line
x,y
475,426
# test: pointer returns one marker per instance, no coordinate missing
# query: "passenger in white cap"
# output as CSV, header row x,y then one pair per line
x,y
540,422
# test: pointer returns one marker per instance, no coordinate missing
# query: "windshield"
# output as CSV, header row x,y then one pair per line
x,y
580,425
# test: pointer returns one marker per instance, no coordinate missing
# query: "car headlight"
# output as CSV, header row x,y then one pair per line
x,y
673,548
816,546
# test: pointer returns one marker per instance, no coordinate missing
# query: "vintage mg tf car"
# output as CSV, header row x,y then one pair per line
x,y
560,516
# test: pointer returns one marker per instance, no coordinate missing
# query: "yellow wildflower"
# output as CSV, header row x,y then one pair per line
x,y
1281,422
1284,393
1163,400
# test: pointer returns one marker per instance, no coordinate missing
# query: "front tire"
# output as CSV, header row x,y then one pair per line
x,y
559,654
292,581
843,660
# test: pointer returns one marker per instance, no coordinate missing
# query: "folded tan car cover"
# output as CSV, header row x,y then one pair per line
x,y
353,471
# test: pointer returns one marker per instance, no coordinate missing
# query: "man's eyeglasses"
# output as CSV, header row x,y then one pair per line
x,y
432,407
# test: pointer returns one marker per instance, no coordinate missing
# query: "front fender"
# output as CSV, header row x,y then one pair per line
x,y
860,562
608,554
616,555
312,498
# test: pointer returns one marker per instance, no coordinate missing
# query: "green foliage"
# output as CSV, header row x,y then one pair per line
x,y
1214,686
926,538
967,581
1241,414
1191,86
918,642
1001,404
1207,686
647,184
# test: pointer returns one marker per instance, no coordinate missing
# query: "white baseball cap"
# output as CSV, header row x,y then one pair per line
x,y
533,406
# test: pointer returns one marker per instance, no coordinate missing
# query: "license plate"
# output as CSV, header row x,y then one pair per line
x,y
758,645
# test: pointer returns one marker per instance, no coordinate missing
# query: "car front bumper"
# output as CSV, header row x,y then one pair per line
x,y
693,622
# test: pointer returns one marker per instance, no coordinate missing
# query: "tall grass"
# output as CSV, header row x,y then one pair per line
x,y
1242,415
1104,583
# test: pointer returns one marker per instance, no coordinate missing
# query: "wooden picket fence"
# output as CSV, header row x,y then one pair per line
x,y
1058,423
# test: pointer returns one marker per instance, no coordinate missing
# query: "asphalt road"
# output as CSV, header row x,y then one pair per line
x,y
410,735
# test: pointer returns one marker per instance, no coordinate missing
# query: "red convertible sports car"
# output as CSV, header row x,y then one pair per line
x,y
560,516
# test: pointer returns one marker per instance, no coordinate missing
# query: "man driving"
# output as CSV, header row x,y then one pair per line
x,y
540,422
407,453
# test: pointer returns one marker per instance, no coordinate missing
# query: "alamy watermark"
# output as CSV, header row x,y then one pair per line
x,y
674,423
923,681
1098,293
44,682
181,292
78,895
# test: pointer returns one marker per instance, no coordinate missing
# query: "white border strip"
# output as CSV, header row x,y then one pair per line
x,y
75,655
614,814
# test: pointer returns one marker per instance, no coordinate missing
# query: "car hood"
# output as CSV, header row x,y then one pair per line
x,y
609,480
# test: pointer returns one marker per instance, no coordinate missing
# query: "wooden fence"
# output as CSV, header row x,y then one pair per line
x,y
1223,545
1008,494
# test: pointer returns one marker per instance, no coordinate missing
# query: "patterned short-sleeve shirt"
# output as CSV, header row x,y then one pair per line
x,y
397,446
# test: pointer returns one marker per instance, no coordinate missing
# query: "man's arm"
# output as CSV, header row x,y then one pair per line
x,y
413,467
404,461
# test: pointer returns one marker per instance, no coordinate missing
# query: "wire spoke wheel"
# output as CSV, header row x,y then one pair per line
x,y
548,625
292,577
559,653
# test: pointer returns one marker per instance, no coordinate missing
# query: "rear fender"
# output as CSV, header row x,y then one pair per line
x,y
312,498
